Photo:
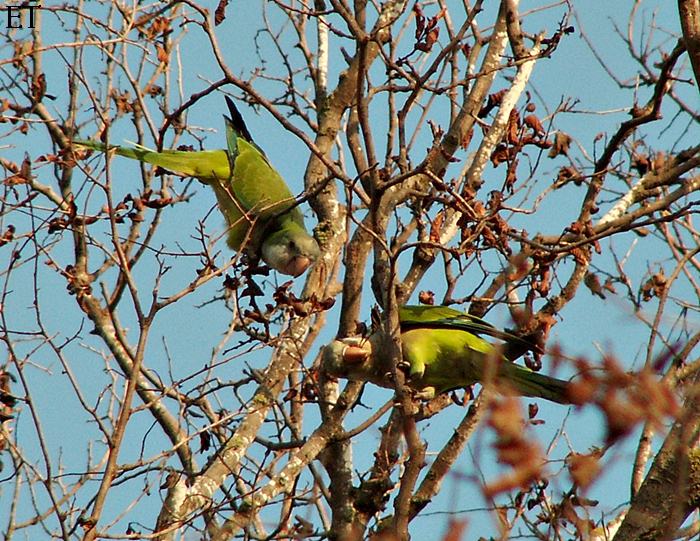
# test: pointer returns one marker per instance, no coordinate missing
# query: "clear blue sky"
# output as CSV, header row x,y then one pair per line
x,y
589,324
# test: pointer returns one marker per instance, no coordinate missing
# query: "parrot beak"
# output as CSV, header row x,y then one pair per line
x,y
357,350
347,354
354,355
298,265
351,358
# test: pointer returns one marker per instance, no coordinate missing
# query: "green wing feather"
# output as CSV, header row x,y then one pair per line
x,y
444,317
256,186
444,351
248,190
421,315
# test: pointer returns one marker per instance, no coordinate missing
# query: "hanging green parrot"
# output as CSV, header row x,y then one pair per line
x,y
249,191
442,351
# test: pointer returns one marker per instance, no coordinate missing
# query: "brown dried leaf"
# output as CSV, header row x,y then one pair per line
x,y
567,173
511,176
502,153
39,87
583,468
161,54
464,143
220,13
532,410
532,122
593,283
455,530
608,285
492,101
506,418
562,143
23,174
641,163
513,127
436,227
545,322
426,297
7,235
420,20
153,90
581,255
654,286
123,103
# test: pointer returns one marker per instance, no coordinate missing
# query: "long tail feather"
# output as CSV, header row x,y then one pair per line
x,y
237,122
202,165
137,152
528,383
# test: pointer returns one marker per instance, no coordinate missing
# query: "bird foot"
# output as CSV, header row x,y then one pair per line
x,y
426,393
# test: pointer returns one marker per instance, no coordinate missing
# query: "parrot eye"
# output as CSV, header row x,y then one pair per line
x,y
291,244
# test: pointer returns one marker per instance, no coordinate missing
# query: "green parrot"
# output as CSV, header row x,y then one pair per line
x,y
249,191
442,351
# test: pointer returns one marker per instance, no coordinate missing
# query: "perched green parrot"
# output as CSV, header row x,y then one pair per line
x,y
249,191
442,351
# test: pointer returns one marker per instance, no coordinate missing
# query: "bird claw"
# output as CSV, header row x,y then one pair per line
x,y
426,393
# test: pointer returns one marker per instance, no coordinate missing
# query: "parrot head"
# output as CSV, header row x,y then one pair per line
x,y
290,250
353,358
347,352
